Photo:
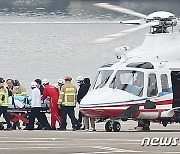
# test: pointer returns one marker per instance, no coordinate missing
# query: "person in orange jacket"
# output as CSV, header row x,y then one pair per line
x,y
53,93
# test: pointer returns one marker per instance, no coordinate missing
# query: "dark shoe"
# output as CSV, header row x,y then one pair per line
x,y
61,129
52,128
83,128
78,127
8,128
39,127
14,127
74,129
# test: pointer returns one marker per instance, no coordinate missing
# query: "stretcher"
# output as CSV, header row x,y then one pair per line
x,y
20,107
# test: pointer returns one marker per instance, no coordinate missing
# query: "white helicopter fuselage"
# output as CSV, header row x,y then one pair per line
x,y
153,64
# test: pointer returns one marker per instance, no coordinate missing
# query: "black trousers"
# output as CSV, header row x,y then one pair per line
x,y
68,110
6,115
35,113
80,116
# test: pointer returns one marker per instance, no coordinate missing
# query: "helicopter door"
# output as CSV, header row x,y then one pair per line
x,y
175,77
152,92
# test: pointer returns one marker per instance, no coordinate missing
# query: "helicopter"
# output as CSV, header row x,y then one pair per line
x,y
144,84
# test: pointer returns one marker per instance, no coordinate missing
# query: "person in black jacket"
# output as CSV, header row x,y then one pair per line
x,y
80,95
85,88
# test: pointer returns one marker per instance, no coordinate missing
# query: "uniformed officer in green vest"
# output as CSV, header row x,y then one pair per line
x,y
4,103
68,103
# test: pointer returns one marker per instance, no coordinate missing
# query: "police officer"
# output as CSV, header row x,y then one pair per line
x,y
4,103
69,99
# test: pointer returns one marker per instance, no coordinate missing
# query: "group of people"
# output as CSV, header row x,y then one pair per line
x,y
62,101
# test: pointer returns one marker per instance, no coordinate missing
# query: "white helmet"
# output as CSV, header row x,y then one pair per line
x,y
45,81
33,84
61,81
56,85
79,78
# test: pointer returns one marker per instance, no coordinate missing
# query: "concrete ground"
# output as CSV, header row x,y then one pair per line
x,y
86,142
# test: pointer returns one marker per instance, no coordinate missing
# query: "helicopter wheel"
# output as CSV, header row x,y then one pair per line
x,y
109,126
116,126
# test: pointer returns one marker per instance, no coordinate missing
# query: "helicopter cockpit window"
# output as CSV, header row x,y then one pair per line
x,y
164,83
152,86
102,78
130,81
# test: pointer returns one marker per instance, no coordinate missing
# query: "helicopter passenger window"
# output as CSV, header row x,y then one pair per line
x,y
102,78
152,86
164,83
129,81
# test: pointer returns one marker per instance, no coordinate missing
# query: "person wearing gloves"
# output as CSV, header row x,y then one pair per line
x,y
35,107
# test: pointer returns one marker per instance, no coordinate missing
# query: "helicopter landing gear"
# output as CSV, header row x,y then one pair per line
x,y
112,126
143,125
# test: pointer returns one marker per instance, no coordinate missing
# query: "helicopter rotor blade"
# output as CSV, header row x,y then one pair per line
x,y
111,37
120,9
62,22
132,22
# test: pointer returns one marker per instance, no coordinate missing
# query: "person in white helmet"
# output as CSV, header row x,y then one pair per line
x,y
53,93
36,107
80,82
60,83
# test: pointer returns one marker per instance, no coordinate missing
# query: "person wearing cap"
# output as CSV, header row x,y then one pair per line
x,y
4,103
53,93
35,107
69,99
80,95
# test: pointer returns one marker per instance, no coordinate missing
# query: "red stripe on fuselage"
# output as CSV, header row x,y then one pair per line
x,y
165,102
102,111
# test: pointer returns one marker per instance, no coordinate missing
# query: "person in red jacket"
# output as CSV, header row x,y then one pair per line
x,y
53,93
